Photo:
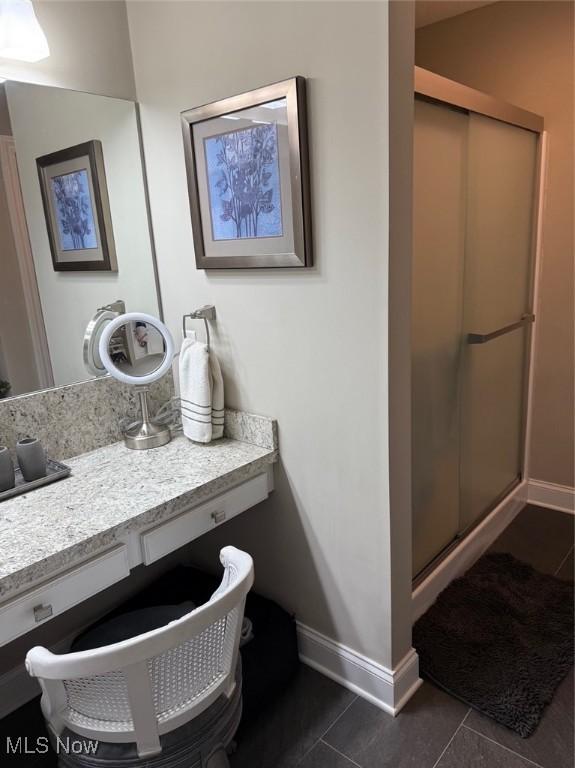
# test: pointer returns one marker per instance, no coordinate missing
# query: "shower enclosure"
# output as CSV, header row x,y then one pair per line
x,y
476,184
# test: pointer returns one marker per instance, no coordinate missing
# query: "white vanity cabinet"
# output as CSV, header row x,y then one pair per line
x,y
166,537
55,596
119,509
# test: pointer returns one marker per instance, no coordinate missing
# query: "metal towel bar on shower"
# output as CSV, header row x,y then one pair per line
x,y
483,338
205,313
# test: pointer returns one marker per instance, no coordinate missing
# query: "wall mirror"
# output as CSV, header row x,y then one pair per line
x,y
75,238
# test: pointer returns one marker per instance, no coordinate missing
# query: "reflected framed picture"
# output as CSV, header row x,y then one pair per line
x,y
248,179
77,209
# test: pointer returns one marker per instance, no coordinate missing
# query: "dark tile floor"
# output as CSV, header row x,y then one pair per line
x,y
319,724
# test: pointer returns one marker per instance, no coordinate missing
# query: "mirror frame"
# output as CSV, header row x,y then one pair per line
x,y
112,368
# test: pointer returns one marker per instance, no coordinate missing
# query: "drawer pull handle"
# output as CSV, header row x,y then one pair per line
x,y
219,516
42,612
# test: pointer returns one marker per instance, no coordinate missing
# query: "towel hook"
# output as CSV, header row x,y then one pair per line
x,y
205,313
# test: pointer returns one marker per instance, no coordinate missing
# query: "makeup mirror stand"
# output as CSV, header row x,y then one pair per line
x,y
146,433
120,357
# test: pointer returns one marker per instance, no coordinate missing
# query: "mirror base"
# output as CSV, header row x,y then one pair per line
x,y
147,434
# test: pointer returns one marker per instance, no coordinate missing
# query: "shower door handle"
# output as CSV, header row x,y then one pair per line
x,y
483,338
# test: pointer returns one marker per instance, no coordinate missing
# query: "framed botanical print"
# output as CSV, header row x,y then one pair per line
x,y
248,179
77,209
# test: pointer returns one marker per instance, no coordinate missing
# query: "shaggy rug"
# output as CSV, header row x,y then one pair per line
x,y
500,639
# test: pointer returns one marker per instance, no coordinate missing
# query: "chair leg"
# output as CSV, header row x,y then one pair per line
x,y
218,759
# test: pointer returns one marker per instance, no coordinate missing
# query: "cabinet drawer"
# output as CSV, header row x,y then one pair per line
x,y
187,526
42,603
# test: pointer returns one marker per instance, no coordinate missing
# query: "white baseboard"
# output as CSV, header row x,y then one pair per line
x,y
386,688
18,688
560,497
468,551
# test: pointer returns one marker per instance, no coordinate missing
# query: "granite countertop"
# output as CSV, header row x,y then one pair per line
x,y
113,491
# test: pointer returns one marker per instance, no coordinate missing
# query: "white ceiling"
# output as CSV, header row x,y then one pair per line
x,y
430,11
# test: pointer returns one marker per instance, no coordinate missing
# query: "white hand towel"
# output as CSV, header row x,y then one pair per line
x,y
201,392
217,397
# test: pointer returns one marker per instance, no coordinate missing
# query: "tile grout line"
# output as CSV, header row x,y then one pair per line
x,y
562,563
507,749
451,739
341,754
436,763
330,726
338,718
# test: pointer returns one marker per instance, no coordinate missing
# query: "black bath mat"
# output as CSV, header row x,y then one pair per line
x,y
500,639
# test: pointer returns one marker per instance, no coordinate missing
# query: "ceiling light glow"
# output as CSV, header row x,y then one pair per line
x,y
21,36
279,104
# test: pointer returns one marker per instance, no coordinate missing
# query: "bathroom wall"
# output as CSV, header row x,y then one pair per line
x,y
306,347
522,52
89,48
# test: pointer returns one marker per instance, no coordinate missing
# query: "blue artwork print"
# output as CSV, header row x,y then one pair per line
x,y
244,183
73,211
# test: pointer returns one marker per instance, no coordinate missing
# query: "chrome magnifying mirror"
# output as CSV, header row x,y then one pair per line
x,y
138,349
92,334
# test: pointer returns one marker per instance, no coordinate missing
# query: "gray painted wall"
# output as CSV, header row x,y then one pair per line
x,y
309,348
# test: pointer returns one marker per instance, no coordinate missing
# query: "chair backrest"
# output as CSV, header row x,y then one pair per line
x,y
148,685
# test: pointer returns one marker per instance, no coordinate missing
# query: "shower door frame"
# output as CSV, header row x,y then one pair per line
x,y
437,89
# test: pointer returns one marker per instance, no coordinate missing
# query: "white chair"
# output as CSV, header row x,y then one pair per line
x,y
149,685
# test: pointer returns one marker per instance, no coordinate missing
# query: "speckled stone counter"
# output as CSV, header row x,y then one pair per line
x,y
114,491
76,418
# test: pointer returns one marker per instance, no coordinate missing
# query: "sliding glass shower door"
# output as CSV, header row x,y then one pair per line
x,y
496,310
440,160
474,188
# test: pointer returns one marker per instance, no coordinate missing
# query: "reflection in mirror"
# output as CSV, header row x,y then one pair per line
x,y
74,232
94,330
137,348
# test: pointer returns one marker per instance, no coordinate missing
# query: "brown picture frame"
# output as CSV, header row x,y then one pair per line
x,y
84,160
